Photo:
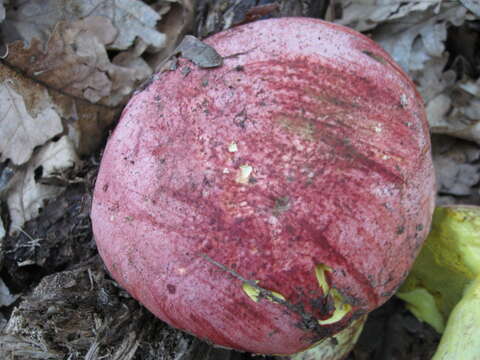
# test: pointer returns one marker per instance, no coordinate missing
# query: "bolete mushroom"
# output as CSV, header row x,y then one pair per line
x,y
269,202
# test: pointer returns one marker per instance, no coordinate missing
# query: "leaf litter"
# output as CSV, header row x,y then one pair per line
x,y
36,19
30,189
24,129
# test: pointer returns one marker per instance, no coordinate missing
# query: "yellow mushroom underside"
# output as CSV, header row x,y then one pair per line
x,y
341,308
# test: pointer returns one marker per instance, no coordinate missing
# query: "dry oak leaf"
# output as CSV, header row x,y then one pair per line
x,y
367,14
457,166
35,19
64,45
132,18
23,129
412,41
85,123
456,111
26,20
411,32
27,194
76,62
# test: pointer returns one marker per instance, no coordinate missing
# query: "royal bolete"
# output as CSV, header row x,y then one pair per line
x,y
269,202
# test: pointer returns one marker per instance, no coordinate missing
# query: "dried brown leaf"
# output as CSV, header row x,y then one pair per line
x,y
414,40
64,44
27,119
132,18
456,165
75,63
432,80
85,122
26,20
456,111
368,14
36,19
27,194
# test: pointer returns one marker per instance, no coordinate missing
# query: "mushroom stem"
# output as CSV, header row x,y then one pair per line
x,y
336,347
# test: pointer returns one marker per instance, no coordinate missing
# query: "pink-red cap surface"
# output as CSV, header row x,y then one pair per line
x,y
307,148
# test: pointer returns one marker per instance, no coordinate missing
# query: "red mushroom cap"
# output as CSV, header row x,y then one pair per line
x,y
267,203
